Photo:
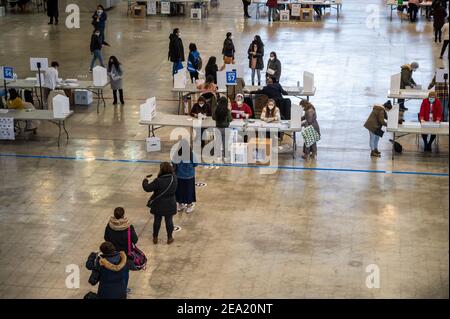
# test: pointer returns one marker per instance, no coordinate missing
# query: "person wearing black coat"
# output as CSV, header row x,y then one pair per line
x,y
255,58
97,42
112,268
439,15
176,51
273,90
228,49
52,11
163,202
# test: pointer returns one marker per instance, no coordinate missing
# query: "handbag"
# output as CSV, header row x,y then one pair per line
x,y
136,257
151,201
379,132
310,136
90,295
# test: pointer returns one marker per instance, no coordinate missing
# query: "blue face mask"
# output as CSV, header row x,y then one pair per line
x,y
431,99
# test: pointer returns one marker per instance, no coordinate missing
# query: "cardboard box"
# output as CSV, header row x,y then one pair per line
x,y
306,14
153,144
139,11
83,97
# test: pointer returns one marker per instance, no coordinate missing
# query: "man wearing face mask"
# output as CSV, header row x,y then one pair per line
x,y
99,20
274,68
407,80
430,110
176,50
97,43
240,109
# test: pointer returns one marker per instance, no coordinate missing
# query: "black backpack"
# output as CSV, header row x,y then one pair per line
x,y
398,148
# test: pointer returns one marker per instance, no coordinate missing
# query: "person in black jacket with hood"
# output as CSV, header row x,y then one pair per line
x,y
96,46
162,203
113,270
255,57
228,49
176,51
116,232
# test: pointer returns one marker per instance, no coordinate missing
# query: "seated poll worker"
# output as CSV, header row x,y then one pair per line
x,y
201,108
270,113
240,109
430,110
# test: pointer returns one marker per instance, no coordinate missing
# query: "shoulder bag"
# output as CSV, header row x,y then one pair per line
x,y
151,201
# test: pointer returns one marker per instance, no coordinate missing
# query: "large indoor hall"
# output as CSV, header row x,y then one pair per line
x,y
342,218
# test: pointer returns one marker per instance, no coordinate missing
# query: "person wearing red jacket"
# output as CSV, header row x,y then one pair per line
x,y
272,5
430,110
239,109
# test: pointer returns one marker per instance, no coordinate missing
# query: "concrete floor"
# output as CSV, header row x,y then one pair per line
x,y
308,231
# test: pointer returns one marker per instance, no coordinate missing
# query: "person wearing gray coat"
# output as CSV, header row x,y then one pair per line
x,y
310,118
115,73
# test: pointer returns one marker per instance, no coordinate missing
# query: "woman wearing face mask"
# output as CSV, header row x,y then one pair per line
x,y
239,109
99,20
223,118
270,112
228,49
430,110
255,57
201,109
97,44
274,68
115,73
310,118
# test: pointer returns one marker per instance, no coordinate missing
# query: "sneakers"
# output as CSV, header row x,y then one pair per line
x,y
181,207
190,208
375,154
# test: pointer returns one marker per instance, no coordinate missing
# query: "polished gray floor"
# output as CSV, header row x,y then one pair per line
x,y
308,231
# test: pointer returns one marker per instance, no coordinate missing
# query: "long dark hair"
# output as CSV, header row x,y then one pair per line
x,y
13,94
165,168
222,109
258,41
114,62
271,112
211,62
192,47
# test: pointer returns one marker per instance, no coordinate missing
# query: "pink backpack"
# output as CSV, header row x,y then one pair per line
x,y
136,257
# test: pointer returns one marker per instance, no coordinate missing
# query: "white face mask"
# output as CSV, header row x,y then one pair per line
x,y
97,34
99,12
239,102
272,58
201,104
271,106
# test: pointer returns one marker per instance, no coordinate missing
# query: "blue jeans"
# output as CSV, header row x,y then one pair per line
x,y
271,10
445,109
374,139
97,54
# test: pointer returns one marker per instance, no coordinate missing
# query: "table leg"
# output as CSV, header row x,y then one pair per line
x,y
59,131
393,145
98,100
180,101
65,130
103,98
294,145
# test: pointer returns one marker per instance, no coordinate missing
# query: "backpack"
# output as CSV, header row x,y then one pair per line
x,y
398,148
136,257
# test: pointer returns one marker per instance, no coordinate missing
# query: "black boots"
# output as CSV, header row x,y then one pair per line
x,y
120,96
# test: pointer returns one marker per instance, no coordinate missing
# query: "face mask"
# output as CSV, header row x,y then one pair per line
x,y
201,104
271,106
431,99
272,58
239,102
97,34
99,12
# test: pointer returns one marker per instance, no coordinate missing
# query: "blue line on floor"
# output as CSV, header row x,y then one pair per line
x,y
297,168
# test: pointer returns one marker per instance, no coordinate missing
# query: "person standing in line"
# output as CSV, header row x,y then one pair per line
x,y
185,171
439,15
255,57
406,79
246,3
194,62
115,72
50,80
272,5
176,51
212,68
374,124
116,232
52,11
228,49
274,68
96,46
163,202
413,8
445,34
441,89
310,118
99,20
113,271
223,118
430,110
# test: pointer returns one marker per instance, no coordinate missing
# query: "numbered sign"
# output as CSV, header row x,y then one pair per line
x,y
231,77
165,7
8,73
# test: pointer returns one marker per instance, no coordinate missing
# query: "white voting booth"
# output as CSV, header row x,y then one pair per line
x,y
146,113
61,106
179,79
395,83
40,65
308,81
99,76
392,117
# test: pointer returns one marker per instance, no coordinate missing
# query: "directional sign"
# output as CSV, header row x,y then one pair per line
x,y
232,77
8,73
